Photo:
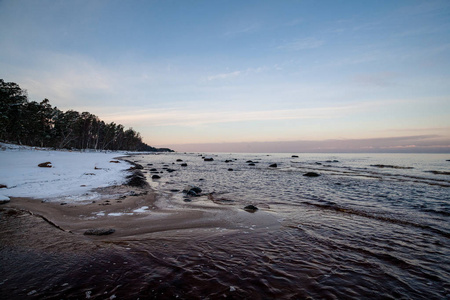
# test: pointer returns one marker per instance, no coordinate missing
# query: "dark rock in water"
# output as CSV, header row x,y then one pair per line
x,y
156,177
137,179
174,191
114,161
230,169
45,165
318,163
391,167
311,174
170,170
153,170
438,172
294,156
192,190
251,164
138,166
249,161
250,208
187,200
208,159
2,186
179,160
100,231
149,164
184,164
273,166
228,161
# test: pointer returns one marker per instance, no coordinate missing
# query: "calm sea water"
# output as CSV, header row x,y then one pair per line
x,y
371,226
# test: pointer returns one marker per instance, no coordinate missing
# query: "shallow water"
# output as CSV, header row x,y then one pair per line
x,y
371,226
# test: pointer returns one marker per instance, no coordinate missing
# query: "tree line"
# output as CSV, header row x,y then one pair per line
x,y
39,124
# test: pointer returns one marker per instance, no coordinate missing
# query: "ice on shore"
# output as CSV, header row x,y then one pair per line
x,y
71,178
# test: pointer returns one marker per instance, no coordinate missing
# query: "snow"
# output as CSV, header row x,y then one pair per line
x,y
71,178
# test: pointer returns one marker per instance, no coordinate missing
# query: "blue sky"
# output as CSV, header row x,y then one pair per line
x,y
221,75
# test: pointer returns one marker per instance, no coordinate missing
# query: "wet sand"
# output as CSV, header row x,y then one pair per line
x,y
116,212
44,253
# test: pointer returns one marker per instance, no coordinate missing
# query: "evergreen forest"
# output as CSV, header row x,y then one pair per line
x,y
31,123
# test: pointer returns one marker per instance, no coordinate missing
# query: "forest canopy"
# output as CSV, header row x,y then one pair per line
x,y
39,124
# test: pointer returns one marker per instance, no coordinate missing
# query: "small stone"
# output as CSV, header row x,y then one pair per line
x,y
311,174
156,177
179,160
230,169
273,166
45,165
184,164
208,159
250,208
251,164
294,156
100,231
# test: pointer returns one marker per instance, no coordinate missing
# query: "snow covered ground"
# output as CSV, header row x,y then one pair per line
x,y
71,178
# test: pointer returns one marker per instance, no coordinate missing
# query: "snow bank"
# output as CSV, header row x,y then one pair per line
x,y
71,178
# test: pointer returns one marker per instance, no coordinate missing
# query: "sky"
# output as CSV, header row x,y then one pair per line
x,y
242,76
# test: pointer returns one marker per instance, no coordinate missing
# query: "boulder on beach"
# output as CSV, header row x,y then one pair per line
x,y
250,208
45,165
179,160
99,231
137,179
294,156
156,177
230,169
251,164
273,166
311,174
192,190
208,159
184,164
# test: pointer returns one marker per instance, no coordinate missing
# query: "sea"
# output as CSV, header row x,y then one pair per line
x,y
360,226
370,226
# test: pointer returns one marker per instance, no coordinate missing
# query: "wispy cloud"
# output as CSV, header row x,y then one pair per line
x,y
245,29
194,117
375,79
224,75
301,44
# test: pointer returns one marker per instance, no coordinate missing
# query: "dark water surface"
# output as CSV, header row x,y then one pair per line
x,y
371,226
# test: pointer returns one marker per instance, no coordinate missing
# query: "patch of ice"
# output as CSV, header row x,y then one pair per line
x,y
3,197
119,214
141,210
